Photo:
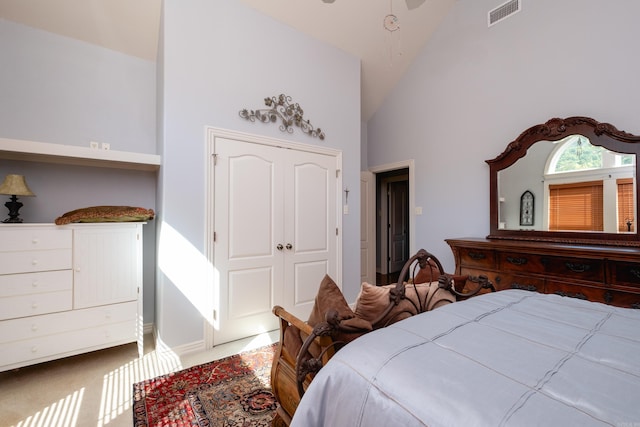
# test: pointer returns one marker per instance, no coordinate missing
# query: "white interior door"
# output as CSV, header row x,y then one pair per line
x,y
367,227
310,228
275,227
248,222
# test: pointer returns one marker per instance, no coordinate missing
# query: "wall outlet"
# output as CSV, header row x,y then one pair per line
x,y
106,146
94,145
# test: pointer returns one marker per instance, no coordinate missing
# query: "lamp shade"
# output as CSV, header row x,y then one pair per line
x,y
15,185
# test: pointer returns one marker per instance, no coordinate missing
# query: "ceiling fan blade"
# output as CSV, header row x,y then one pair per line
x,y
412,4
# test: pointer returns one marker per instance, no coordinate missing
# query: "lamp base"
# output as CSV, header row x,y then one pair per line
x,y
14,206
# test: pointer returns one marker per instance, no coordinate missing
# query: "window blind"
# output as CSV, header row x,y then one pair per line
x,y
576,206
625,204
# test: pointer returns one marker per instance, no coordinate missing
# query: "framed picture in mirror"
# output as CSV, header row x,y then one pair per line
x,y
526,208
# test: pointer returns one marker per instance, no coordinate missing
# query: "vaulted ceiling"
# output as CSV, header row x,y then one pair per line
x,y
355,26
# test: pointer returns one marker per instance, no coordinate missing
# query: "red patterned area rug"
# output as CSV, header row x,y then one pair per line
x,y
234,391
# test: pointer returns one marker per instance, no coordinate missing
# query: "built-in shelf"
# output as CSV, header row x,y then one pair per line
x,y
15,149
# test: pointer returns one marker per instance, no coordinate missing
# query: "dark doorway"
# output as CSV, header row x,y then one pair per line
x,y
392,224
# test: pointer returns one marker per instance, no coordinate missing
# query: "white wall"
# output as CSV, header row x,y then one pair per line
x,y
59,90
473,89
218,58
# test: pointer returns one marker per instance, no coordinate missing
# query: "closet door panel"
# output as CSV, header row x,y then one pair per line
x,y
248,226
310,211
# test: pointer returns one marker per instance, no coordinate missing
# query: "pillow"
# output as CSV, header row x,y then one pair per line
x,y
106,214
330,297
373,300
429,274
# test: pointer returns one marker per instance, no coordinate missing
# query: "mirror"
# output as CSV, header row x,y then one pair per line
x,y
568,180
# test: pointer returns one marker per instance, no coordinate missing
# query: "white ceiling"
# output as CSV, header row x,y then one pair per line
x,y
355,26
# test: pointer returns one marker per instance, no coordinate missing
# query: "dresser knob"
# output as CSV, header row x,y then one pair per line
x,y
34,262
34,328
35,241
34,349
34,283
34,305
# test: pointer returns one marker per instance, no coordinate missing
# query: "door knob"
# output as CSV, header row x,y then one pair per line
x,y
279,247
289,246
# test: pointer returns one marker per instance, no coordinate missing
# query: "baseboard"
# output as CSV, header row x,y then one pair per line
x,y
180,350
147,328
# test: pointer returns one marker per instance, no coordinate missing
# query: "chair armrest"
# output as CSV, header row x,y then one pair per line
x,y
292,320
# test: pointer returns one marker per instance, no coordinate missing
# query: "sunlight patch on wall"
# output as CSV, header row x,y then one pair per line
x,y
186,267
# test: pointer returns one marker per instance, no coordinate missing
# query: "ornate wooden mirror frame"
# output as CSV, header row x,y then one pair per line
x,y
600,134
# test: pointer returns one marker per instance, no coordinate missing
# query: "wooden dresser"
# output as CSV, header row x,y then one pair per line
x,y
608,274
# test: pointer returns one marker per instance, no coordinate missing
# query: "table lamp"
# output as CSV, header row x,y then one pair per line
x,y
14,185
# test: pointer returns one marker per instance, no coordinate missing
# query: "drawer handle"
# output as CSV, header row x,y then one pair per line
x,y
608,297
34,284
34,305
570,295
635,272
517,261
34,349
516,285
34,262
577,267
34,328
35,241
477,255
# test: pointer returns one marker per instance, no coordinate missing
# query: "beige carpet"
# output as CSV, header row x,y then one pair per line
x,y
93,389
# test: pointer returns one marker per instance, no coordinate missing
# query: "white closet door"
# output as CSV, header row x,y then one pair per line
x,y
275,225
248,220
310,228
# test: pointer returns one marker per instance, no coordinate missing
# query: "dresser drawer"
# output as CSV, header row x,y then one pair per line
x,y
625,273
24,238
514,281
31,261
34,283
57,323
35,304
471,257
519,262
576,268
67,343
594,293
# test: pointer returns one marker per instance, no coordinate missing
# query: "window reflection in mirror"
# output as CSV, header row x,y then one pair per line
x,y
577,187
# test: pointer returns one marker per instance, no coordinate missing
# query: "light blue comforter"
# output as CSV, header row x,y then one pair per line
x,y
512,358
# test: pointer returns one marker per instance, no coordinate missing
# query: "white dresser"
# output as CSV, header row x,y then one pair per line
x,y
69,289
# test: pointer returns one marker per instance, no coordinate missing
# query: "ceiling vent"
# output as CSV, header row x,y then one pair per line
x,y
503,11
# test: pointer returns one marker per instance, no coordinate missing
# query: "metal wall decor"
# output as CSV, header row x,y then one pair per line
x,y
289,113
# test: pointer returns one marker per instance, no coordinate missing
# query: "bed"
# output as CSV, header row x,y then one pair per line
x,y
509,358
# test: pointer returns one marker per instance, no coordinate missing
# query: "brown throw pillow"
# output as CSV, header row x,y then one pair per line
x,y
429,274
330,297
373,300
